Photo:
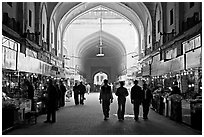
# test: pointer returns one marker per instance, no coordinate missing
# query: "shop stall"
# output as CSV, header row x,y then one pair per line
x,y
186,70
192,82
10,85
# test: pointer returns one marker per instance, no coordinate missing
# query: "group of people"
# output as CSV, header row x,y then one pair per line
x,y
79,91
139,96
55,99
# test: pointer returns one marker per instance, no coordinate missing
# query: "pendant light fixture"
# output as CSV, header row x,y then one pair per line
x,y
100,54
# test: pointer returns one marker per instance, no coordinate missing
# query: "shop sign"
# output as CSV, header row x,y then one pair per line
x,y
173,65
155,65
146,70
45,68
31,53
191,44
172,53
8,58
9,43
28,64
193,59
159,68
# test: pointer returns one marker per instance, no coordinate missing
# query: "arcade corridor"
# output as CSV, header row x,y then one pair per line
x,y
51,50
88,120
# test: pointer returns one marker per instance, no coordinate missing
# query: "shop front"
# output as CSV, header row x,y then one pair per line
x,y
186,70
38,72
16,68
192,83
164,74
10,107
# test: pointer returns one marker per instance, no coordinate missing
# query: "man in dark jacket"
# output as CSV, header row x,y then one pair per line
x,y
51,103
106,98
136,98
82,90
56,85
76,94
121,93
147,97
63,91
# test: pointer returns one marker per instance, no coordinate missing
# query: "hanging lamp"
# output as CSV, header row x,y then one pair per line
x,y
100,54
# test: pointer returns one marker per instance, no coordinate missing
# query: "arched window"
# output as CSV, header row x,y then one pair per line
x,y
158,22
44,23
148,36
99,77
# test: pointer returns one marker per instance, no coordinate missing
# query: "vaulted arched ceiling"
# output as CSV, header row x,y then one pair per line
x,y
113,49
136,12
92,41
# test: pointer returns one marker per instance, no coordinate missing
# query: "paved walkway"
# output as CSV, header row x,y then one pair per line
x,y
88,120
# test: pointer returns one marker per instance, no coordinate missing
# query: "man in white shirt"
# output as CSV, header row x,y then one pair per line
x,y
88,88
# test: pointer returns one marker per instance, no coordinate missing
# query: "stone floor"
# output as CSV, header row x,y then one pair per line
x,y
87,119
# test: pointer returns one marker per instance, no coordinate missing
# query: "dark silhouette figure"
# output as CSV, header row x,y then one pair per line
x,y
30,91
136,98
76,94
106,98
58,93
121,93
63,91
175,89
51,102
82,90
147,97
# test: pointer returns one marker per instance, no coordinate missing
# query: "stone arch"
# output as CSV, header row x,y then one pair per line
x,y
135,12
96,70
98,73
114,50
93,38
158,8
43,8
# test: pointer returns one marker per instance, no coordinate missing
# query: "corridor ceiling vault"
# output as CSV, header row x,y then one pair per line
x,y
115,50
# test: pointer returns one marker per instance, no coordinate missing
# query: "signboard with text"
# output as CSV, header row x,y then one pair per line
x,y
28,64
8,58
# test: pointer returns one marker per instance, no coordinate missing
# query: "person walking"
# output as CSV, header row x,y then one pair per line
x,y
147,97
88,88
76,94
51,103
136,98
106,98
82,90
63,91
121,92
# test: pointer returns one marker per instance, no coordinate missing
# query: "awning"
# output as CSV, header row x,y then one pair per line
x,y
186,35
10,32
174,65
